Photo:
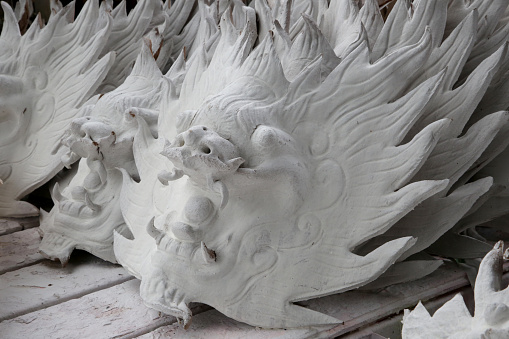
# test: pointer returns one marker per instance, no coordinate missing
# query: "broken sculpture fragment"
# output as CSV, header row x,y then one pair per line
x,y
453,319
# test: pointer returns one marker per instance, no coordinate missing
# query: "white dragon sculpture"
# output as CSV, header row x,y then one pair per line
x,y
258,155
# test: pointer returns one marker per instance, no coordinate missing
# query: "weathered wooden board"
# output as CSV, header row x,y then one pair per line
x,y
115,312
9,226
358,308
47,283
26,223
19,249
214,325
354,308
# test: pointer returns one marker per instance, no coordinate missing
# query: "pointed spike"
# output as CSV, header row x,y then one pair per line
x,y
489,277
154,232
10,29
56,194
220,187
120,11
145,64
208,255
55,6
165,177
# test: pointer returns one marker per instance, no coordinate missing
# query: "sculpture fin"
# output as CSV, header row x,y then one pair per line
x,y
128,254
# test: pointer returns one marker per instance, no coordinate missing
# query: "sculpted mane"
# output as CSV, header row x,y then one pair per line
x,y
346,127
86,207
50,86
251,156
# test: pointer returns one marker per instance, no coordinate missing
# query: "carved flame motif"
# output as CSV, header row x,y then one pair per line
x,y
86,203
304,156
48,73
291,150
86,209
45,76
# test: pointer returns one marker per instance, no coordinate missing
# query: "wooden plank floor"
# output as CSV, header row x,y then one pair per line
x,y
90,298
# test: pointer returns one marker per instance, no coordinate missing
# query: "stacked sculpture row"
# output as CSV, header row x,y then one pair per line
x,y
251,143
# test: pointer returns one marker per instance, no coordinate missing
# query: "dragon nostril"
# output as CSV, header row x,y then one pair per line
x,y
204,128
181,142
205,149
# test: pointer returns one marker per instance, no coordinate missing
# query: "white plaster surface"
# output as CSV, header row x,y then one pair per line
x,y
321,147
283,137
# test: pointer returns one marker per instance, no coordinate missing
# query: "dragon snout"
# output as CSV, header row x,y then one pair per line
x,y
86,127
202,154
85,136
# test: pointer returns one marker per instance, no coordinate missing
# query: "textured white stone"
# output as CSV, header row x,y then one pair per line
x,y
453,320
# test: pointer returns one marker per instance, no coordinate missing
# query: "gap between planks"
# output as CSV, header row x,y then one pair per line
x,y
115,312
11,225
20,249
48,283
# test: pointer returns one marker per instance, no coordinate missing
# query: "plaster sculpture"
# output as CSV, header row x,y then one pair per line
x,y
98,31
159,23
466,145
493,213
86,210
86,207
297,148
45,76
453,320
491,34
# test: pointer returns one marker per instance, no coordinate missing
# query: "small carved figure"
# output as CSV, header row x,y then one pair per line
x,y
453,319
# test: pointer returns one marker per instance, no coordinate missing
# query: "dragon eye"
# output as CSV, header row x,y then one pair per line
x,y
265,136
